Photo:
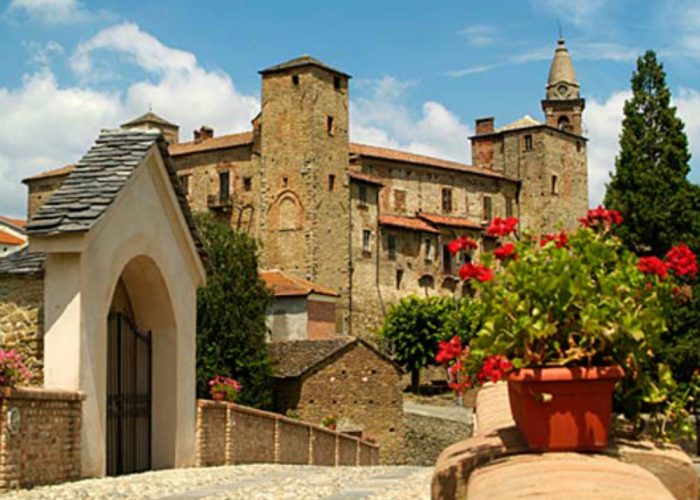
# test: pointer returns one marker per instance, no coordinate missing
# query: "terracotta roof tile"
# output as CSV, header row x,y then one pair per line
x,y
362,177
428,161
56,172
448,220
284,285
221,142
10,239
410,223
20,223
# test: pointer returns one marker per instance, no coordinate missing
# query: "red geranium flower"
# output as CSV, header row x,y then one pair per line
x,y
653,265
505,251
599,215
476,271
461,243
448,350
562,240
494,368
502,227
681,260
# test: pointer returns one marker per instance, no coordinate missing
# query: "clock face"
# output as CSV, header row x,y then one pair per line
x,y
562,90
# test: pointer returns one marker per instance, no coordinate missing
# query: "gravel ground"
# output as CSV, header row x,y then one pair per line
x,y
260,481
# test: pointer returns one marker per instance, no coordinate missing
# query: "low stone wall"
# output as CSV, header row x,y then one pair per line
x,y
39,437
426,434
228,433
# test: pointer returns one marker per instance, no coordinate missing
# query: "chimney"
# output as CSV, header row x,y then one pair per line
x,y
484,125
203,134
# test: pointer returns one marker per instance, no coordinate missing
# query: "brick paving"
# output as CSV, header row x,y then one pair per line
x,y
259,481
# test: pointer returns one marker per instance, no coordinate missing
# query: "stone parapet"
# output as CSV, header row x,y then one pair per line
x,y
228,434
497,463
39,437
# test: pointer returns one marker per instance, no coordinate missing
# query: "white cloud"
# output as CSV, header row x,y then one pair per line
x,y
577,12
382,118
51,11
604,124
46,125
479,35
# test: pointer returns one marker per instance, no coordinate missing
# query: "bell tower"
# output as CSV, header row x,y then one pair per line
x,y
563,104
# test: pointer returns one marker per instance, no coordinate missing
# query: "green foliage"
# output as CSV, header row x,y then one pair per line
x,y
649,187
231,315
414,326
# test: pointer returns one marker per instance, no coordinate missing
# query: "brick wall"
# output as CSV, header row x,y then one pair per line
x,y
21,328
229,434
321,319
44,447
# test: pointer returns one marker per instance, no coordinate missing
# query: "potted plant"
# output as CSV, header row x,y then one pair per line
x,y
12,371
565,317
224,388
329,422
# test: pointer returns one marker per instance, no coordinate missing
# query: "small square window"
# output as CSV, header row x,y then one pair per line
x,y
366,240
399,278
336,82
295,79
224,185
554,185
447,265
285,182
391,246
509,207
488,209
330,126
247,183
399,200
447,200
428,250
528,142
331,183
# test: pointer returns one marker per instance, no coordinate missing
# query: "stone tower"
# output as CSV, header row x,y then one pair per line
x,y
563,105
304,151
170,131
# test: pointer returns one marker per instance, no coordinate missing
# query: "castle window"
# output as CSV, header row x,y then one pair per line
x,y
336,82
446,200
285,181
447,264
487,209
509,207
528,142
330,127
295,79
578,146
363,195
399,200
466,204
563,123
331,183
399,279
391,246
247,183
428,250
366,240
185,183
554,186
224,185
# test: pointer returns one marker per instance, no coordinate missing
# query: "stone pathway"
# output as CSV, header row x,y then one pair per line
x,y
259,481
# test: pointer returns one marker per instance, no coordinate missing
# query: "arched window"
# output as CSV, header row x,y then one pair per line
x,y
287,214
563,123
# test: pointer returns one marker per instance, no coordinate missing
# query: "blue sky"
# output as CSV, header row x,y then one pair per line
x,y
422,71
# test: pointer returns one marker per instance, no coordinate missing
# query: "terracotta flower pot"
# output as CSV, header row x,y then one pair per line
x,y
563,408
217,396
5,391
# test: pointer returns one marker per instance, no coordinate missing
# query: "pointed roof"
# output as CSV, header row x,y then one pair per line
x,y
524,122
146,118
562,69
298,62
285,285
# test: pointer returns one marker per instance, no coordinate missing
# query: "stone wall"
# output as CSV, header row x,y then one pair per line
x,y
426,436
40,190
361,389
21,321
39,437
229,434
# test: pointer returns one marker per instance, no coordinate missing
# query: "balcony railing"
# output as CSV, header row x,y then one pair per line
x,y
221,201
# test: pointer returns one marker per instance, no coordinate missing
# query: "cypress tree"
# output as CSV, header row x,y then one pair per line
x,y
231,310
650,186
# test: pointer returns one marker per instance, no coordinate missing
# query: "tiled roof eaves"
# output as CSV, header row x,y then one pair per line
x,y
300,62
22,263
242,139
532,127
56,172
408,223
361,177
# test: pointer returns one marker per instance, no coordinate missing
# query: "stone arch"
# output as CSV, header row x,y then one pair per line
x,y
287,212
563,123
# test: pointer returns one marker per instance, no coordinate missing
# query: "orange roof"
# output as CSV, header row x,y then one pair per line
x,y
221,142
14,222
446,220
284,285
51,173
359,176
410,223
428,161
10,239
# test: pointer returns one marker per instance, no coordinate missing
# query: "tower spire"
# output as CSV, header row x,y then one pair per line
x,y
563,104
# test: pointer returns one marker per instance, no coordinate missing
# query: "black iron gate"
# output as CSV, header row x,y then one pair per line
x,y
128,397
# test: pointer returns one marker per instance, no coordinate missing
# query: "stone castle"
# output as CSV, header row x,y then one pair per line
x,y
372,223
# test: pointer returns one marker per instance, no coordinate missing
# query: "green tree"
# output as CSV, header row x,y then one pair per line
x,y
231,314
650,186
412,329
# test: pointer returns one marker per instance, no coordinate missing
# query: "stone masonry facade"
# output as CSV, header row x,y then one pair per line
x,y
21,317
373,223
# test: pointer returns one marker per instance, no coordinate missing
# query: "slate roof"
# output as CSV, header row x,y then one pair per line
x,y
22,263
98,178
284,285
298,62
294,358
410,223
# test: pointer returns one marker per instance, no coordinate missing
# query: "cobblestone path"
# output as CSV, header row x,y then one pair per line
x,y
261,481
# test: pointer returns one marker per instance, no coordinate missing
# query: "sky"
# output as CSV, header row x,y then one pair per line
x,y
422,71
